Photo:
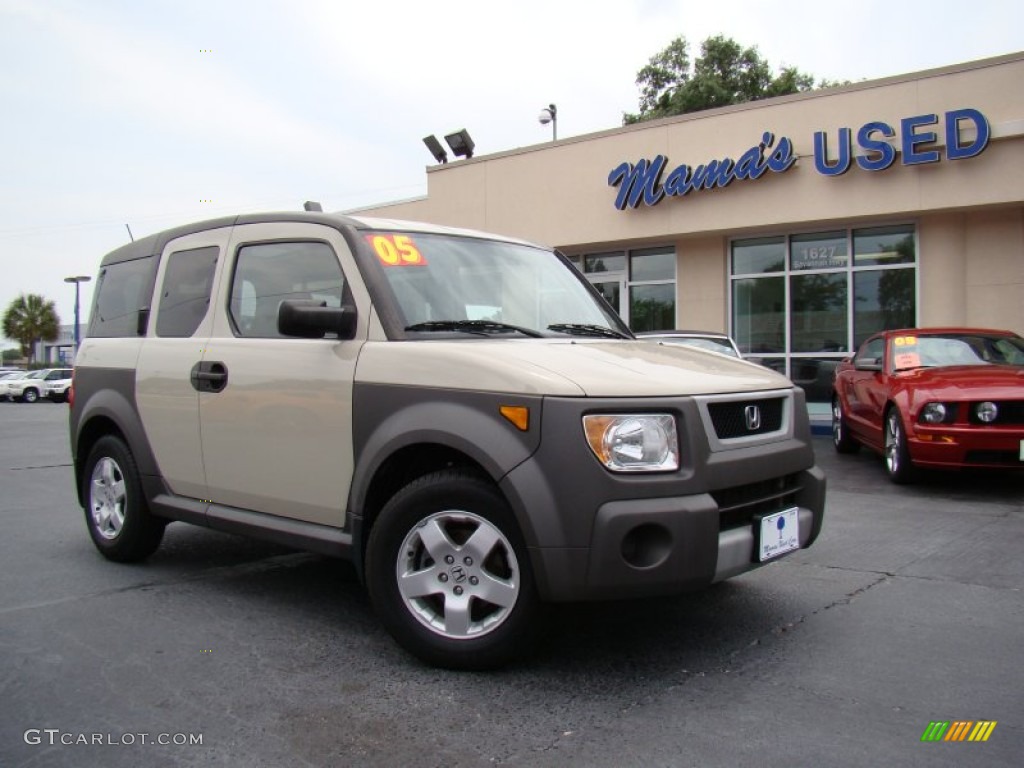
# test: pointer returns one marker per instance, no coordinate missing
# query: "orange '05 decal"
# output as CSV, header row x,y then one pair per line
x,y
396,250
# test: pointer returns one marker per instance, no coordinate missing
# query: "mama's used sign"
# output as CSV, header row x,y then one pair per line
x,y
643,182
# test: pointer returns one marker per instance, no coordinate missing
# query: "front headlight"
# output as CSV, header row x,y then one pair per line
x,y
635,442
987,411
934,413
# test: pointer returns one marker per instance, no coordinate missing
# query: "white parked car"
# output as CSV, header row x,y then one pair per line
x,y
7,379
30,387
57,389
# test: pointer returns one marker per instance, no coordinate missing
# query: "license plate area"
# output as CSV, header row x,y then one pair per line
x,y
776,534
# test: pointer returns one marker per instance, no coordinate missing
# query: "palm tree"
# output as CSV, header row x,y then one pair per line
x,y
31,318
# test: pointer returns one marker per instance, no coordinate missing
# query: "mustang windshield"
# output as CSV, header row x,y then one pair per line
x,y
477,287
934,351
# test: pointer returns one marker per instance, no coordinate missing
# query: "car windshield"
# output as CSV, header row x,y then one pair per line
x,y
934,351
477,287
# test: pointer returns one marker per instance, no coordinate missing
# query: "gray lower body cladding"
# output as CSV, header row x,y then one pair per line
x,y
592,533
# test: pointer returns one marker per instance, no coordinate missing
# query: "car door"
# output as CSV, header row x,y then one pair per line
x,y
863,390
179,324
277,419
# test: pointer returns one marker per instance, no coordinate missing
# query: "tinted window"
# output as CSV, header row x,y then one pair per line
x,y
121,291
883,245
269,273
185,295
760,255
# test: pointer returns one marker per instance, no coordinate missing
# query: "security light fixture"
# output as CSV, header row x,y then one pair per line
x,y
435,148
550,115
461,144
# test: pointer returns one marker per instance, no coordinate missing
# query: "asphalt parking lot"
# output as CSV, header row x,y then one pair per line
x,y
907,611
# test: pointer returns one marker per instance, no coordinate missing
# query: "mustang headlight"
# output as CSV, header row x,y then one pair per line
x,y
635,442
987,411
934,413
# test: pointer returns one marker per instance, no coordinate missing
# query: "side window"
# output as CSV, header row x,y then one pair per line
x,y
185,295
268,273
122,289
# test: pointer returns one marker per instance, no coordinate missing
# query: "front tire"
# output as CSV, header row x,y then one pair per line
x,y
449,575
897,456
116,511
840,431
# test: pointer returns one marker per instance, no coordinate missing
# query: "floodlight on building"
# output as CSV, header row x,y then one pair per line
x,y
435,148
460,142
550,115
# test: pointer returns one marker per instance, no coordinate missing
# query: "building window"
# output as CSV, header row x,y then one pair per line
x,y
640,285
800,303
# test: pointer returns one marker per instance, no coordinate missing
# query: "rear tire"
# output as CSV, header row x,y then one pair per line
x,y
30,395
116,511
449,575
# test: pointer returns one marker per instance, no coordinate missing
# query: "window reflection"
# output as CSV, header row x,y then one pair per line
x,y
818,313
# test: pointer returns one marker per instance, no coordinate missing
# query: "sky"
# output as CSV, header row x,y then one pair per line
x,y
123,115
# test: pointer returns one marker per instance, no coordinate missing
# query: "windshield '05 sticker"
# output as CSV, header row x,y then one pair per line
x,y
396,250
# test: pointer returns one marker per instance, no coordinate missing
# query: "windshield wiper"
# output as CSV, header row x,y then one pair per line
x,y
481,327
584,329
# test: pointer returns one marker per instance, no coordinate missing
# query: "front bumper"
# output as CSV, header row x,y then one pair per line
x,y
595,534
648,547
955,446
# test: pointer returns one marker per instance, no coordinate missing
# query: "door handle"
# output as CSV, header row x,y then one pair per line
x,y
209,376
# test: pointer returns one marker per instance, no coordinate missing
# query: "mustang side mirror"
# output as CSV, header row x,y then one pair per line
x,y
868,364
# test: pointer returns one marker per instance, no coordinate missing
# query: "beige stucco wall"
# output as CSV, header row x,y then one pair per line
x,y
969,212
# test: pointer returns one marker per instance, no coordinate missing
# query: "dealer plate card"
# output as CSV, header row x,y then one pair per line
x,y
780,533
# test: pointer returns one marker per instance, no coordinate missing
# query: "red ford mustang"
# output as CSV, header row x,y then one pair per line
x,y
933,397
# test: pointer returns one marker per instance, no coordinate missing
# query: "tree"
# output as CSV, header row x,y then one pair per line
x,y
724,74
31,318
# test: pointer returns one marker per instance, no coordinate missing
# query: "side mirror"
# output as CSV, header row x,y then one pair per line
x,y
868,364
313,320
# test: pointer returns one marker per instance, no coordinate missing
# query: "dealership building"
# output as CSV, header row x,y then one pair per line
x,y
800,224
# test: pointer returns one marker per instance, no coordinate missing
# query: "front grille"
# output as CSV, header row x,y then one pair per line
x,y
738,505
730,418
1011,412
1002,458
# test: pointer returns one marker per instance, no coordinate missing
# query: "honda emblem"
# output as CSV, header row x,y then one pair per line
x,y
752,415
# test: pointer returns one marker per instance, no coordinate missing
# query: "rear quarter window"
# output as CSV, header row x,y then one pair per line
x,y
122,290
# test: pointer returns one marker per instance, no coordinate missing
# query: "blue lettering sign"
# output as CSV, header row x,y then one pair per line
x,y
954,149
638,182
912,139
885,153
642,181
873,137
842,164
